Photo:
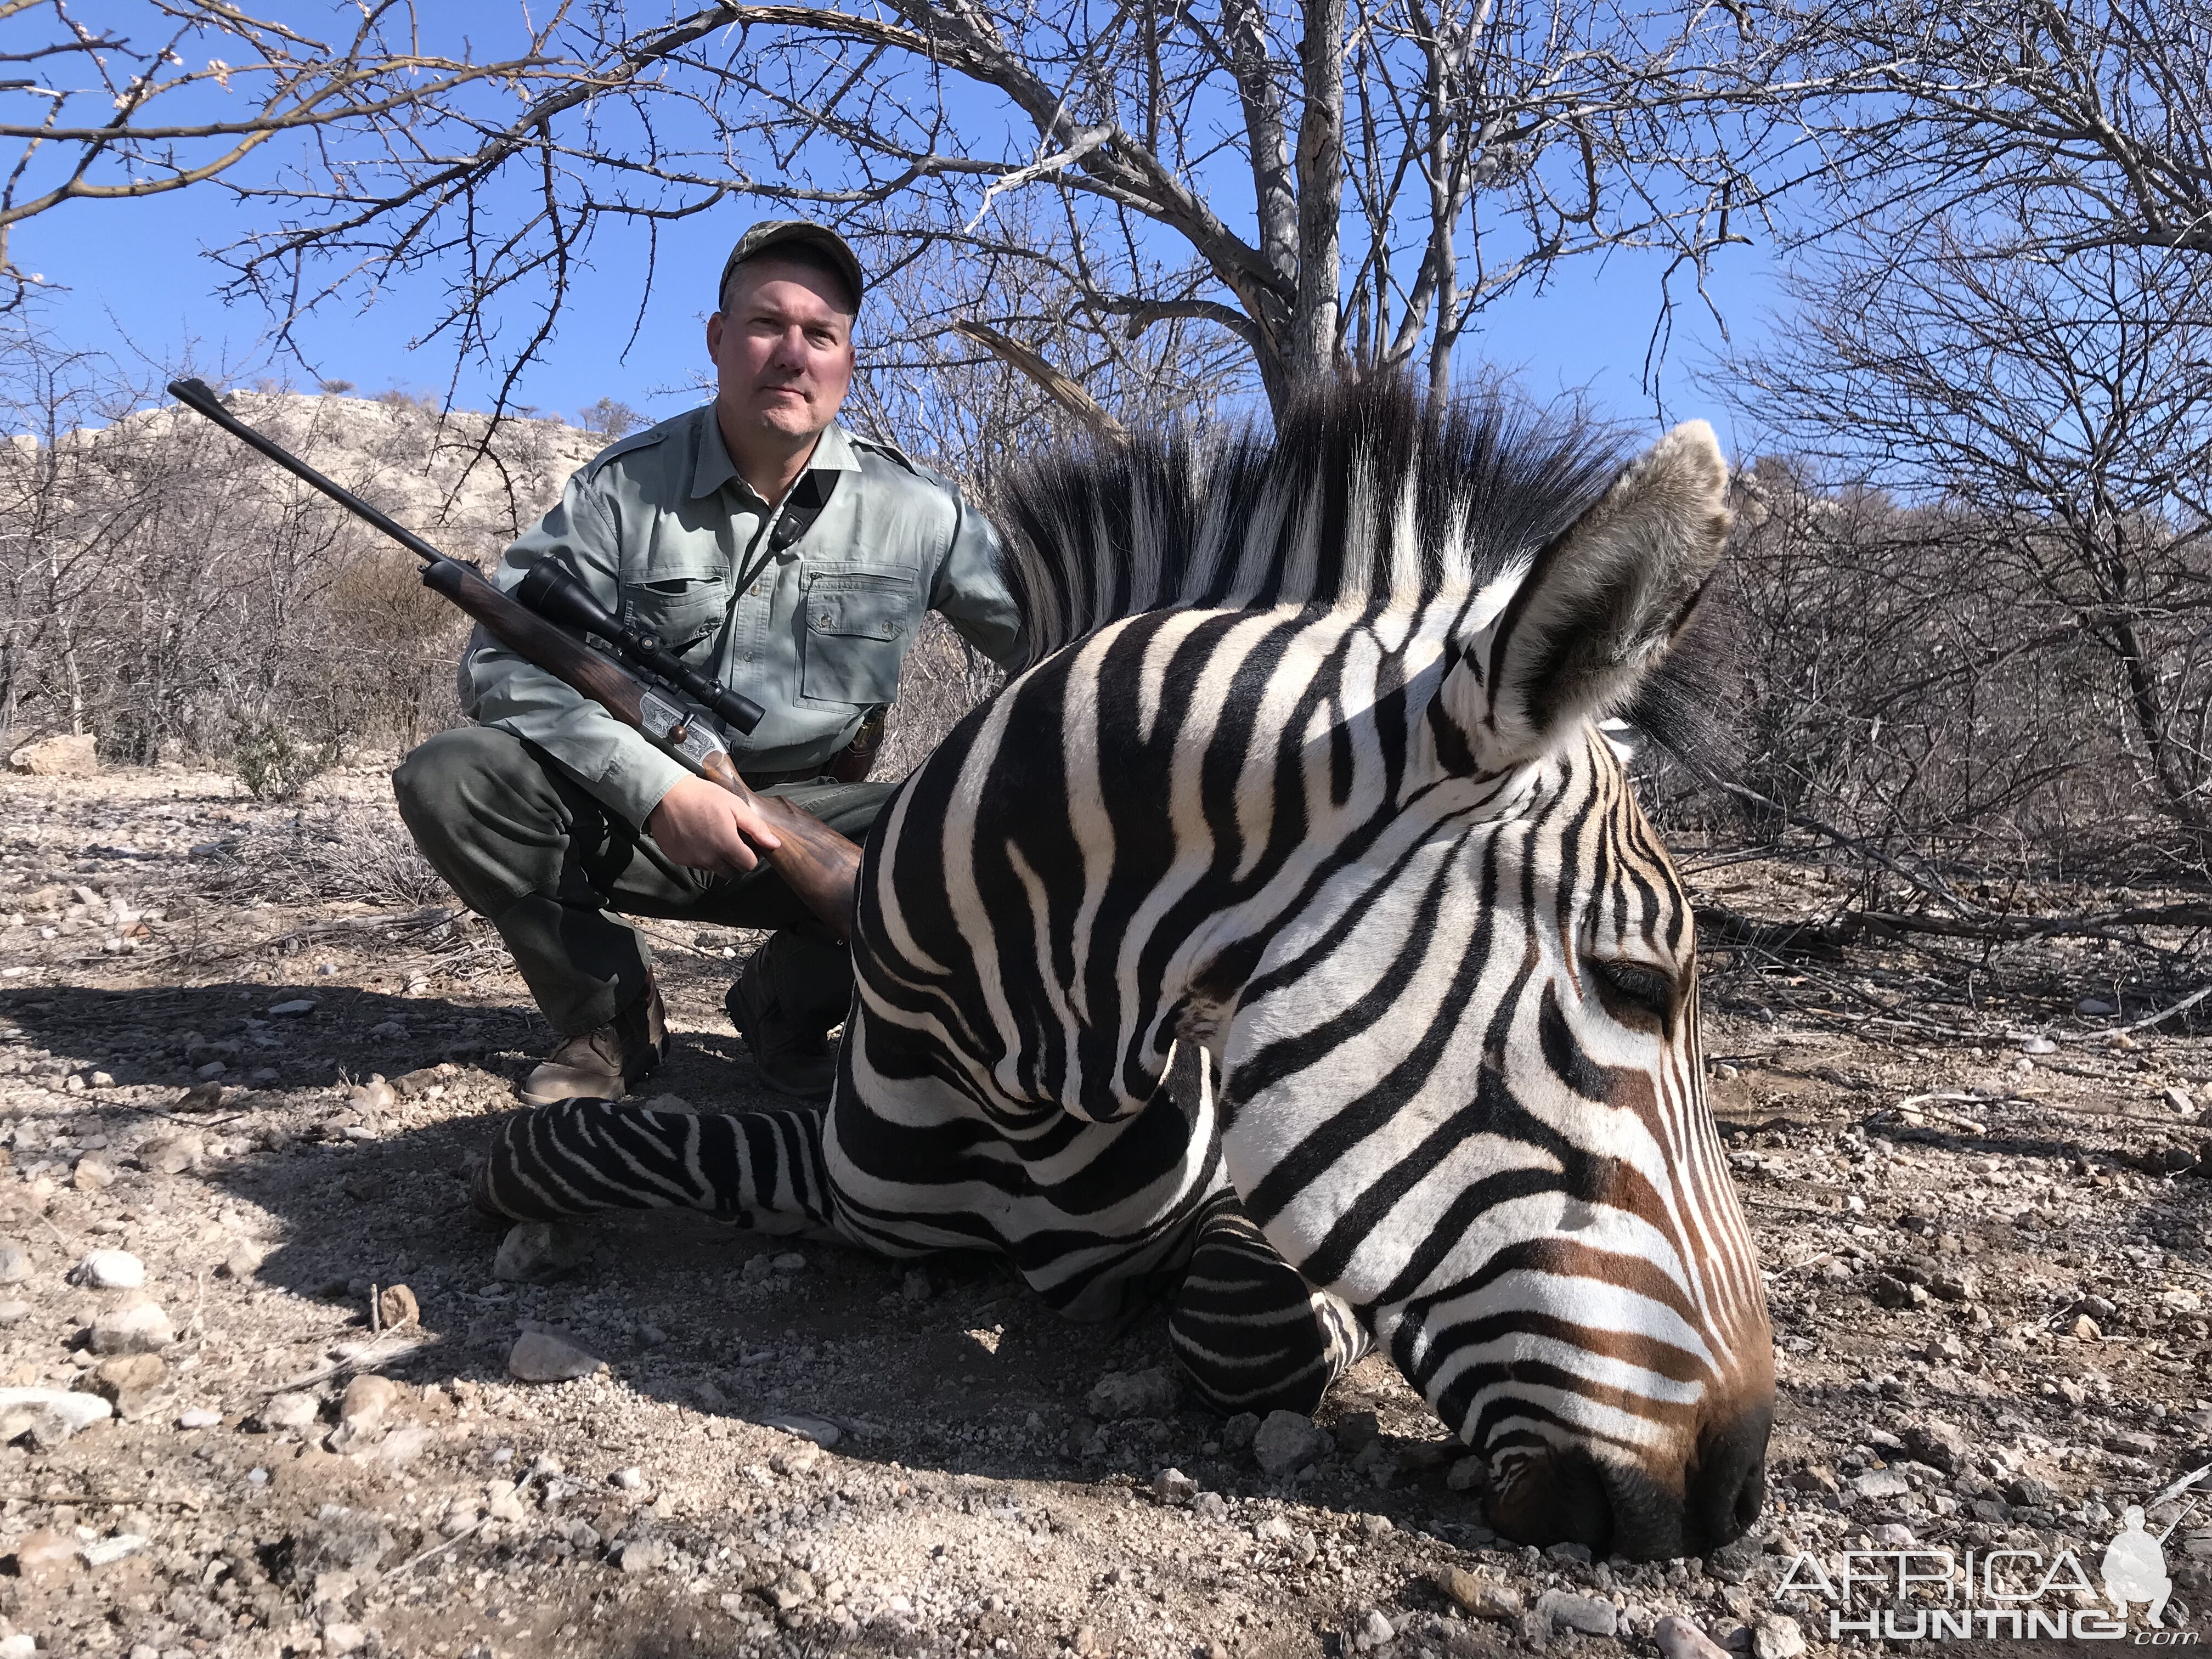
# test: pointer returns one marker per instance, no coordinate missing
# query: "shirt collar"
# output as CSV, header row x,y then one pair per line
x,y
712,467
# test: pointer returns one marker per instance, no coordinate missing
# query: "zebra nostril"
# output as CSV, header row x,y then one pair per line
x,y
1751,1497
1728,1487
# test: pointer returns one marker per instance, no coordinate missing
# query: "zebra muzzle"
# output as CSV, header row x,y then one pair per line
x,y
1571,1494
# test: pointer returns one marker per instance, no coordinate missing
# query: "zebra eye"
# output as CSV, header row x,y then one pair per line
x,y
1634,987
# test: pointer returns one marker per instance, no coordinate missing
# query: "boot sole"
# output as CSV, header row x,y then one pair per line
x,y
531,1098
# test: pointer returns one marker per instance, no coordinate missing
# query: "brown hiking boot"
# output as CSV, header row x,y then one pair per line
x,y
792,1052
602,1065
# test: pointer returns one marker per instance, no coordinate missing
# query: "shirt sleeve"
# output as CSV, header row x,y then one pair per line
x,y
971,592
617,763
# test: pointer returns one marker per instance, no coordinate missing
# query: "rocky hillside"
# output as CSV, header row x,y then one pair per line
x,y
179,593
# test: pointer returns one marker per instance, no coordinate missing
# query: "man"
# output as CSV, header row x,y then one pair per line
x,y
775,551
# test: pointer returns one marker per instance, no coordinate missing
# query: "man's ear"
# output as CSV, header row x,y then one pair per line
x,y
1602,604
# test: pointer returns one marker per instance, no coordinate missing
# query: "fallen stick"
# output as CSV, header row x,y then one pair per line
x,y
365,1360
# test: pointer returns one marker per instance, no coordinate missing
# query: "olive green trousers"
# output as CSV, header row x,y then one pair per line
x,y
531,850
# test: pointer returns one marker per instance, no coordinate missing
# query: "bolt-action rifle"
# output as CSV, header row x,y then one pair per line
x,y
818,863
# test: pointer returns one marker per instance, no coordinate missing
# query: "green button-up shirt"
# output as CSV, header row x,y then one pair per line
x,y
662,530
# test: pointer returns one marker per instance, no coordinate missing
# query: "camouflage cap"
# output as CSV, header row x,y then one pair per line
x,y
784,233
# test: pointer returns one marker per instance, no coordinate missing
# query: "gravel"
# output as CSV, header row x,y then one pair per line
x,y
836,1453
1119,1395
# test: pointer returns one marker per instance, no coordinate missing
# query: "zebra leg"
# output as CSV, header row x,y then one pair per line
x,y
1251,1335
579,1156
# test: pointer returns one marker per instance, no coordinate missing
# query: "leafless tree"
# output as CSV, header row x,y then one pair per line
x,y
161,582
2048,126
1237,167
2053,424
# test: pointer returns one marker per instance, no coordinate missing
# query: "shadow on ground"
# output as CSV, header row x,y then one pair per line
x,y
968,1373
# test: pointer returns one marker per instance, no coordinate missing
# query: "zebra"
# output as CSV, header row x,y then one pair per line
x,y
1286,938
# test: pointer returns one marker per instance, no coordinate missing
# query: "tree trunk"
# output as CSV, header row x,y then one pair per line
x,y
1312,345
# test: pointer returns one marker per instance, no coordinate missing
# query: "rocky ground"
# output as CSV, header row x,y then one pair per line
x,y
261,1383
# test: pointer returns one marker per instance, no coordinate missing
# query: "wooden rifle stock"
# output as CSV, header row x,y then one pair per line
x,y
819,865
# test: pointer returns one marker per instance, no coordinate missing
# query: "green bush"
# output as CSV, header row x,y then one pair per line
x,y
271,763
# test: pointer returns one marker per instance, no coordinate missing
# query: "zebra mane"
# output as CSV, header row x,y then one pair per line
x,y
1366,494
1362,497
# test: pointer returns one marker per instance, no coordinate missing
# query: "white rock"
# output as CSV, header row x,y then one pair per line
x,y
1678,1638
366,1400
172,1154
1174,1486
502,1503
630,1479
69,755
1881,1483
1373,1631
198,1418
1287,1442
292,1009
290,1411
140,1327
542,1357
108,1551
49,1415
2037,1044
1777,1637
22,1645
401,1446
823,1432
344,1638
111,1270
1586,1614
14,1262
536,1249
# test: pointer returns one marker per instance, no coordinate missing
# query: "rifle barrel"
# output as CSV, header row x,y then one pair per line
x,y
199,395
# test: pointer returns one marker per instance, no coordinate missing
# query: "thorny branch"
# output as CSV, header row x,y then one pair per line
x,y
1538,129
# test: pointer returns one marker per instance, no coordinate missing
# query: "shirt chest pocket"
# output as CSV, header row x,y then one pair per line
x,y
679,611
854,634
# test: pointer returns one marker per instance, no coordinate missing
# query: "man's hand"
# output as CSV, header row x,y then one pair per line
x,y
704,826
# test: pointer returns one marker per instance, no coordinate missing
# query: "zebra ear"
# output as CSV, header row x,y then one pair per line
x,y
1603,603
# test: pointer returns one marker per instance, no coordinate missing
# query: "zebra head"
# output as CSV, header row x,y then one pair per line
x,y
1462,1090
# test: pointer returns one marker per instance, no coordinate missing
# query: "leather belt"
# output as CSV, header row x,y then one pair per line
x,y
850,764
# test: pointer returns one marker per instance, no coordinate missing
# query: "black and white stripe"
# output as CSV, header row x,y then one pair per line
x,y
1289,928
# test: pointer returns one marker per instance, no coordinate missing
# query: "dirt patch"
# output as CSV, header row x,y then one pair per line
x,y
1989,1275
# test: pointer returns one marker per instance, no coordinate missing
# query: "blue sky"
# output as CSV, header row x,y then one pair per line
x,y
132,277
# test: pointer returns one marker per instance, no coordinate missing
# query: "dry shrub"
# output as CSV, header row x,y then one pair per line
x,y
175,588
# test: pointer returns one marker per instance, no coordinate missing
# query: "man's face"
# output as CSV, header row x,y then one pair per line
x,y
783,346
